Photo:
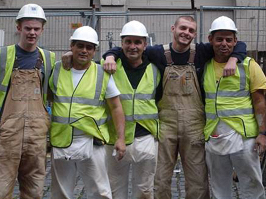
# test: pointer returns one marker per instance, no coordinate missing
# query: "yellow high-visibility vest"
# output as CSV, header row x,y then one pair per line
x,y
83,107
229,100
138,105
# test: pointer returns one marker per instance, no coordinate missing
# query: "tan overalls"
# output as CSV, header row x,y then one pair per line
x,y
24,124
181,114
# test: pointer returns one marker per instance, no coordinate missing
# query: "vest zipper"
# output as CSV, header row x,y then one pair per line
x,y
217,87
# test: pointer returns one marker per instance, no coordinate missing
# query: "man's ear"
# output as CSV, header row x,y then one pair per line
x,y
145,43
210,38
172,28
71,46
19,27
235,40
122,39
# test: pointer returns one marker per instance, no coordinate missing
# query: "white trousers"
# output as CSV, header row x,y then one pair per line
x,y
93,172
142,155
247,166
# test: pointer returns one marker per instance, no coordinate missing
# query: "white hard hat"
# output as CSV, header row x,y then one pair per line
x,y
223,23
134,28
85,33
31,11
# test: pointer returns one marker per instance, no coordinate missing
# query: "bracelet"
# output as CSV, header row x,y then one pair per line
x,y
262,133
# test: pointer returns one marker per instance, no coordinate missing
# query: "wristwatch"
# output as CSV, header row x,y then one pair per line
x,y
262,133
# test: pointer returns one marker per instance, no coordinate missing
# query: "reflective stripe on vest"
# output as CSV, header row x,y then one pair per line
x,y
48,68
3,88
3,55
233,106
68,120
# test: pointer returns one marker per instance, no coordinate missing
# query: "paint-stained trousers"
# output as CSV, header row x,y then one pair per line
x,y
245,163
142,156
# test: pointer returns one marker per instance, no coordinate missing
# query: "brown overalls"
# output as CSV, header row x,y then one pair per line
x,y
181,114
23,128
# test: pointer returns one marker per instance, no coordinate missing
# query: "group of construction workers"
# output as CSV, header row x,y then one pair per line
x,y
133,114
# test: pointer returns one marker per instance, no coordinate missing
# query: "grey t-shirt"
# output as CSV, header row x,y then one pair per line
x,y
25,59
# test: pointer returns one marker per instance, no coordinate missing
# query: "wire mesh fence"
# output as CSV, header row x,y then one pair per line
x,y
62,23
250,21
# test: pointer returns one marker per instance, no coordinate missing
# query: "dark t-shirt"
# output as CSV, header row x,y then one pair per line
x,y
25,59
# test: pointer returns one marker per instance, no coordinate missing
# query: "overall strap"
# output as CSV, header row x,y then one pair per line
x,y
167,53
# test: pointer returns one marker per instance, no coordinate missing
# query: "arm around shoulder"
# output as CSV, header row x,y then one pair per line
x,y
237,56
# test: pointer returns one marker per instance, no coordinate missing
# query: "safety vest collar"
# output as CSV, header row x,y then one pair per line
x,y
135,117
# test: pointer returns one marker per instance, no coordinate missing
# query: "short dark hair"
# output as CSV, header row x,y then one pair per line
x,y
213,32
73,43
188,18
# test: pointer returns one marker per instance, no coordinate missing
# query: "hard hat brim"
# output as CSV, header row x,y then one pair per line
x,y
215,30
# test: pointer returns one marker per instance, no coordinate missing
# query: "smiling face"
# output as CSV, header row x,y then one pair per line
x,y
184,31
30,31
223,43
83,53
133,47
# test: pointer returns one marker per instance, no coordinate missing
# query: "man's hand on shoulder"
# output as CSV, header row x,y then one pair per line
x,y
230,67
109,64
67,60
